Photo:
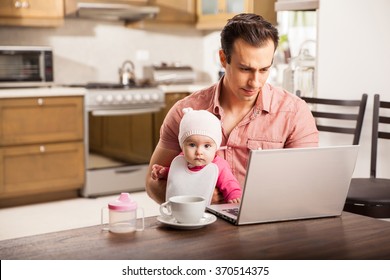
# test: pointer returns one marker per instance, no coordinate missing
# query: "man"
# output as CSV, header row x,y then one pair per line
x,y
253,114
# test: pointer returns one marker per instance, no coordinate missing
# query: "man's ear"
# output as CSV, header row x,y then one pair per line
x,y
222,58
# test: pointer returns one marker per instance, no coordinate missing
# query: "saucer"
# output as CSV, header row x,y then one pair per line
x,y
204,221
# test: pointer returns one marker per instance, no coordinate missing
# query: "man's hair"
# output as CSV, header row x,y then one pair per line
x,y
251,28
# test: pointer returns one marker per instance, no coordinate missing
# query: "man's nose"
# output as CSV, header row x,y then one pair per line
x,y
255,80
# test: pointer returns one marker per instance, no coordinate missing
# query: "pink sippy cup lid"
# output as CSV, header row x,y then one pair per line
x,y
123,203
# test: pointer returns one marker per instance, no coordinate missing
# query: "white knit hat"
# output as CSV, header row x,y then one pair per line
x,y
200,122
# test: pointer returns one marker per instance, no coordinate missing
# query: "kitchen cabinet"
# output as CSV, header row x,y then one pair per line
x,y
175,11
32,13
41,147
213,14
206,14
265,8
170,99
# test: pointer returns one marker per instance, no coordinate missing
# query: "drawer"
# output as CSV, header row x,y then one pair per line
x,y
39,120
37,169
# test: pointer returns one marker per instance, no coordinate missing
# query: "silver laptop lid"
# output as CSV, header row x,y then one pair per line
x,y
301,183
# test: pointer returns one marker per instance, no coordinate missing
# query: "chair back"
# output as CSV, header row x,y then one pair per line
x,y
379,117
340,106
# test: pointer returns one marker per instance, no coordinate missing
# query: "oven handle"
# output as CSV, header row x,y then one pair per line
x,y
124,112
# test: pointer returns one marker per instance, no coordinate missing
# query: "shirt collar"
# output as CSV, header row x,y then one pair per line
x,y
263,102
217,109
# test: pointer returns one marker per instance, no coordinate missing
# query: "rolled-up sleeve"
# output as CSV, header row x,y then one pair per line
x,y
304,131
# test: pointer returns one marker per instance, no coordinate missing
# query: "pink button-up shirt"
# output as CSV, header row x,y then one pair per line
x,y
278,120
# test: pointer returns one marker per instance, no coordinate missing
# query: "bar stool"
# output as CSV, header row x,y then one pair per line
x,y
323,109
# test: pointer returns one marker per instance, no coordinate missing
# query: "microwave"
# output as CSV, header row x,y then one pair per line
x,y
26,66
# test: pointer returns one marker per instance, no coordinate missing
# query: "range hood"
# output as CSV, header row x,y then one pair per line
x,y
114,11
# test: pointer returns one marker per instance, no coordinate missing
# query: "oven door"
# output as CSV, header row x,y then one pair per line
x,y
119,150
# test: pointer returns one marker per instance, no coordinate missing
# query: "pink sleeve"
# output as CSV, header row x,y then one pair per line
x,y
227,183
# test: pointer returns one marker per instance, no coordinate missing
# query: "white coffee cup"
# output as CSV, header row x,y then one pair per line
x,y
185,209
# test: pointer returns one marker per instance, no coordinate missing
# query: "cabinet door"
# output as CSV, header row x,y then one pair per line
x,y
170,99
210,7
35,169
31,12
175,11
41,120
266,8
213,14
218,7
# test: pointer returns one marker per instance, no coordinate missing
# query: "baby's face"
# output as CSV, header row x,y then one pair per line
x,y
199,150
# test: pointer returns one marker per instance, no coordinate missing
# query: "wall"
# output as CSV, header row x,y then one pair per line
x,y
87,50
353,58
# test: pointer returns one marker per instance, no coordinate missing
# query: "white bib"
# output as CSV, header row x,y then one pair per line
x,y
183,181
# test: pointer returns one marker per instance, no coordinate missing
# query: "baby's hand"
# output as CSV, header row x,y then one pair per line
x,y
158,172
235,200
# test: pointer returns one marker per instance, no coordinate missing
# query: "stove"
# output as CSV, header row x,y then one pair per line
x,y
119,139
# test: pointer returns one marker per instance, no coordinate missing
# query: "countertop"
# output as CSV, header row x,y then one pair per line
x,y
75,91
41,92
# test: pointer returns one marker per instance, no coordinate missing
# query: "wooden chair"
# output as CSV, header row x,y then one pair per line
x,y
355,117
371,196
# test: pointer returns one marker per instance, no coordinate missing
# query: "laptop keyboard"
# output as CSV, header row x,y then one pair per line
x,y
232,211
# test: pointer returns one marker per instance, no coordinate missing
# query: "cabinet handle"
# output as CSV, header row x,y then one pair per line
x,y
40,101
42,149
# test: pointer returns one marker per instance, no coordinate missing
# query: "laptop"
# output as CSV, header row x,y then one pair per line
x,y
292,184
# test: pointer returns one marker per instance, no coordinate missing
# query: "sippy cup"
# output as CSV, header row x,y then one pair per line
x,y
122,214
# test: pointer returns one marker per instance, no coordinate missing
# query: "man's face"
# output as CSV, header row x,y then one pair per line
x,y
248,69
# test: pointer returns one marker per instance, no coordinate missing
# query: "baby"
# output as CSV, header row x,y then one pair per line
x,y
198,169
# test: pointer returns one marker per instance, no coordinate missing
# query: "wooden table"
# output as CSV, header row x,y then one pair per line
x,y
347,237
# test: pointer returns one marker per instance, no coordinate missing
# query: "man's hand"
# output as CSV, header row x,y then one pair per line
x,y
156,188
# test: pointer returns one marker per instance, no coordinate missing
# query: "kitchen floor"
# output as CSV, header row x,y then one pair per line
x,y
62,215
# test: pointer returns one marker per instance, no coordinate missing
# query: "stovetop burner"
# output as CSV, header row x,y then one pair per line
x,y
99,85
110,86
